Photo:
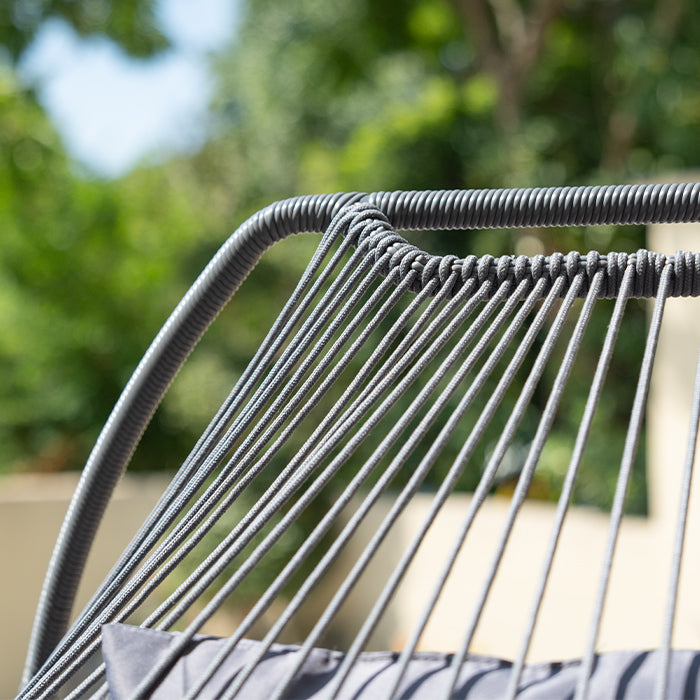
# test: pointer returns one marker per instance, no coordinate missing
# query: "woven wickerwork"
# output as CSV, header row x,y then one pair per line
x,y
415,349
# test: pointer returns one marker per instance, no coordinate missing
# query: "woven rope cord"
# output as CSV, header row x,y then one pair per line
x,y
571,473
684,497
647,267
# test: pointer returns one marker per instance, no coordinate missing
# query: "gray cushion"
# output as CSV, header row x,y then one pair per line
x,y
129,652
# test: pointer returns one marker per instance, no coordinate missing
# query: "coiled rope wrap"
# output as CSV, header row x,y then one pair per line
x,y
370,224
631,204
551,206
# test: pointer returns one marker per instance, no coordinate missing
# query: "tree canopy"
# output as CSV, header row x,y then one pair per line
x,y
313,96
131,23
468,93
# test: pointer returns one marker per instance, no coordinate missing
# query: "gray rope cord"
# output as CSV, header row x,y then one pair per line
x,y
646,279
551,206
302,338
213,571
631,441
525,478
392,469
188,480
647,266
398,506
330,556
449,481
207,567
360,412
273,341
333,352
526,474
468,399
80,691
568,485
686,481
459,464
143,393
231,265
310,542
321,429
166,548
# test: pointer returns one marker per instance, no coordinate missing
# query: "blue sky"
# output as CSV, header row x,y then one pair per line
x,y
113,111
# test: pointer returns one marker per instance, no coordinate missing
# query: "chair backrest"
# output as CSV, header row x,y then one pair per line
x,y
387,366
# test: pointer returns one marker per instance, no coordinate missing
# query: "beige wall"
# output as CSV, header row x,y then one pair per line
x,y
32,507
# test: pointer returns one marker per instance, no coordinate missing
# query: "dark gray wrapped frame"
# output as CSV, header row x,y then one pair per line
x,y
635,204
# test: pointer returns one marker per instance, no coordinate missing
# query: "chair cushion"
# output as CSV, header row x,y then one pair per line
x,y
130,652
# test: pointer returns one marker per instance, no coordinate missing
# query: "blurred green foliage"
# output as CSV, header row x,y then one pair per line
x,y
131,23
313,96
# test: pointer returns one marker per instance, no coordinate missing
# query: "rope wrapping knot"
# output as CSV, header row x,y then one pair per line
x,y
371,228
